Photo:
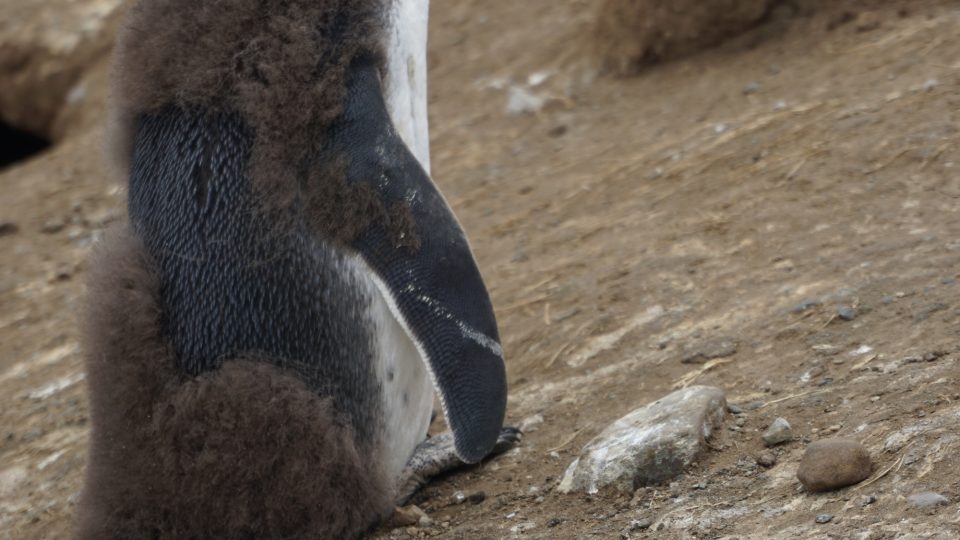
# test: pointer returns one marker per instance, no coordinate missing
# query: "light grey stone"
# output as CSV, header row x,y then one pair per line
x,y
778,432
927,499
650,445
709,349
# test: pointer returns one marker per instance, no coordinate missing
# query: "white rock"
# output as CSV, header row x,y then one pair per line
x,y
778,432
651,444
927,499
522,101
531,423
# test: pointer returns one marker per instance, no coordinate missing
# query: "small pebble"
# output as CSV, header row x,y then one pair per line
x,y
406,516
709,349
834,463
734,409
531,423
53,226
867,500
458,497
477,497
847,313
867,21
634,526
751,87
824,518
778,432
8,227
927,499
754,405
767,459
804,306
925,312
826,349
554,521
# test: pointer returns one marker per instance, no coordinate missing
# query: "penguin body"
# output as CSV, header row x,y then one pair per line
x,y
266,333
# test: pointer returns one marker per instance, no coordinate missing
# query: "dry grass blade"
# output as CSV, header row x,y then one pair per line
x,y
566,441
896,464
685,381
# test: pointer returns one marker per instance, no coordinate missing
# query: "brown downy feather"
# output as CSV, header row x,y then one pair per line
x,y
243,452
282,65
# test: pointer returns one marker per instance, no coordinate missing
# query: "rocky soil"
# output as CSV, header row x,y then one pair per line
x,y
775,217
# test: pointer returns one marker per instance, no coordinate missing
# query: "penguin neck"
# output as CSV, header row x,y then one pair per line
x,y
406,74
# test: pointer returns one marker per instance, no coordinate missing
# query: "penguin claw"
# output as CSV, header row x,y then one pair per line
x,y
437,455
509,438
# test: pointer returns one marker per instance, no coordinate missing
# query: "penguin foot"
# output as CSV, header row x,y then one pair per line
x,y
437,455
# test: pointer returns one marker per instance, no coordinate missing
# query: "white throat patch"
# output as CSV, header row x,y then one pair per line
x,y
406,84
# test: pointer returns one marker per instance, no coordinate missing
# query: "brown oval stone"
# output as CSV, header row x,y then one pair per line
x,y
833,464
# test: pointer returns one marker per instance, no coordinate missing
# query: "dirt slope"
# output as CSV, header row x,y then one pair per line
x,y
812,162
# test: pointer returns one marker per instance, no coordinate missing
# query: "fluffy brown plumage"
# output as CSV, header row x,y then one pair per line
x,y
281,64
243,452
246,450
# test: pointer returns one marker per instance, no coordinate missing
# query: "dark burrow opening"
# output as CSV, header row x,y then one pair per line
x,y
18,145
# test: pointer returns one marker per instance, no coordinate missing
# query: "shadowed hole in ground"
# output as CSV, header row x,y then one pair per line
x,y
17,145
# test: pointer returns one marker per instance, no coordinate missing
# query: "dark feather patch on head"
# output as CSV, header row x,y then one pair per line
x,y
280,64
245,451
341,210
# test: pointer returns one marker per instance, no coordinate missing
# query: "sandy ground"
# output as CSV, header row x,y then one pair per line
x,y
811,163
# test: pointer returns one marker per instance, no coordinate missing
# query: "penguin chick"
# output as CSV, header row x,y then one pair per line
x,y
265,332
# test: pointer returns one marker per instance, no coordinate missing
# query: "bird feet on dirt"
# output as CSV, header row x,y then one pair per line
x,y
437,455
